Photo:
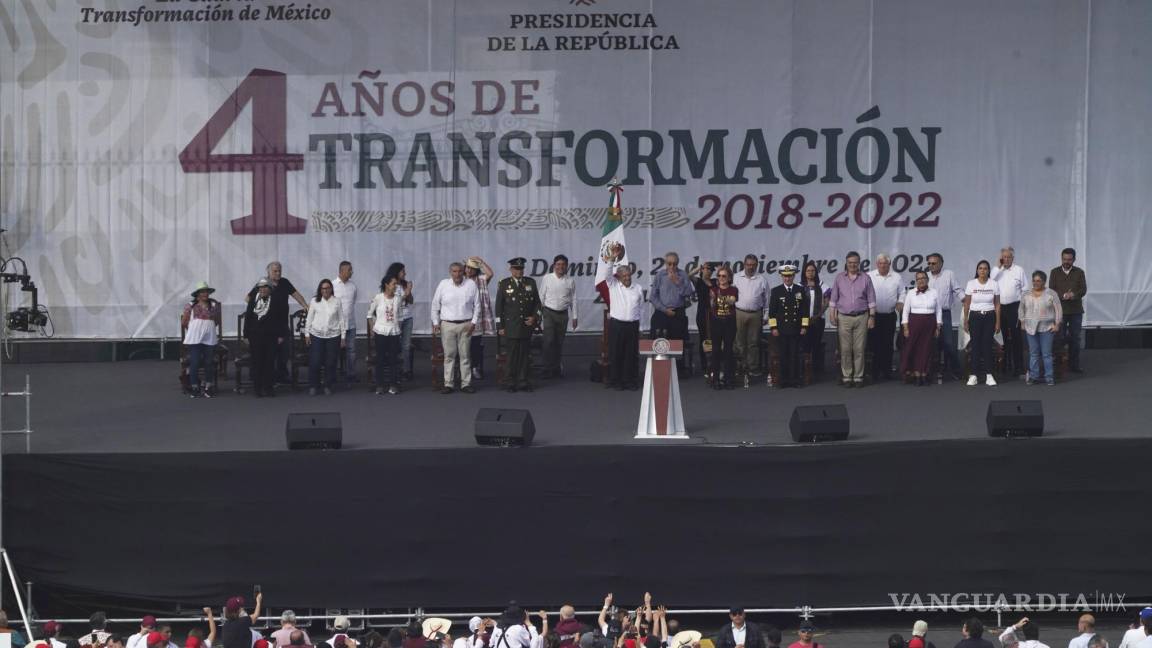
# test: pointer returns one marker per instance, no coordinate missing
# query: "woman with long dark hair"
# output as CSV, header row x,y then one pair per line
x,y
813,338
325,329
723,299
397,271
384,319
981,322
922,320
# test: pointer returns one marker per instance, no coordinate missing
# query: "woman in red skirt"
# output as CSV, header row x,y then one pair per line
x,y
922,319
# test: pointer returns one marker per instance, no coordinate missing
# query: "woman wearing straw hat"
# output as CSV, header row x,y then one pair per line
x,y
200,319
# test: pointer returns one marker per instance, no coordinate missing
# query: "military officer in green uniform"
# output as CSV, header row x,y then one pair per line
x,y
788,321
517,314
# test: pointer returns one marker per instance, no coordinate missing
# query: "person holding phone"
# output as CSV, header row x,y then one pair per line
x,y
237,629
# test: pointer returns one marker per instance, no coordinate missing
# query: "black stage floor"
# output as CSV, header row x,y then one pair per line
x,y
128,480
137,407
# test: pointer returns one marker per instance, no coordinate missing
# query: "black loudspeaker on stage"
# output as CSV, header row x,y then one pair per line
x,y
811,423
1012,418
314,431
504,427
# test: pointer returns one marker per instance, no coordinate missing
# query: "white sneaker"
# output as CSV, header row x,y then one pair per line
x,y
972,381
989,380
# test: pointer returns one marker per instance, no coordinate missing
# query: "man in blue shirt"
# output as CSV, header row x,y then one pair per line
x,y
670,295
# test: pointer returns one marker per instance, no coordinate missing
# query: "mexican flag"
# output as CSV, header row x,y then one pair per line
x,y
613,231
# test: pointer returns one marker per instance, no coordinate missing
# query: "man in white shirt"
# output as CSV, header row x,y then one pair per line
x,y
1013,281
1086,626
948,290
889,288
455,311
625,303
1028,630
558,301
753,287
147,624
1138,635
345,291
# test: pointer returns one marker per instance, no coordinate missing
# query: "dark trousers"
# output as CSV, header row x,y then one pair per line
x,y
517,370
814,343
555,325
623,353
1014,362
264,350
672,327
981,328
788,346
881,338
1070,331
201,356
947,343
723,352
701,335
387,360
322,352
476,354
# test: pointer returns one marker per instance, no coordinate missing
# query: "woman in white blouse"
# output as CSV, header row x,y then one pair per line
x,y
922,319
981,323
384,318
1040,318
324,329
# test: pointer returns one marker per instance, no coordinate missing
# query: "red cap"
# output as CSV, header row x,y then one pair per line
x,y
51,628
148,622
234,604
260,643
192,642
156,639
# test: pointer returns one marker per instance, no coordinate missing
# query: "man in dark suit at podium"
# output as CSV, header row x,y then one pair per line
x,y
739,633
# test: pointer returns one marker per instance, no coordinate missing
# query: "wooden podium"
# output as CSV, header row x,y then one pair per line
x,y
661,412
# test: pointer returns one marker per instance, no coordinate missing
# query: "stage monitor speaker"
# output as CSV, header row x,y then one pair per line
x,y
812,423
1012,418
507,428
314,431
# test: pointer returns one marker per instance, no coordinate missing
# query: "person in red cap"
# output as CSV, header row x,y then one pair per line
x,y
147,624
51,631
196,635
237,630
155,640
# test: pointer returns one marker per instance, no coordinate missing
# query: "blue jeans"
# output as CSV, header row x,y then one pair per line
x,y
201,356
1040,346
947,343
350,354
406,345
322,352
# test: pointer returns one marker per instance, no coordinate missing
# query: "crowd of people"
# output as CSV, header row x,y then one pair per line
x,y
874,314
647,626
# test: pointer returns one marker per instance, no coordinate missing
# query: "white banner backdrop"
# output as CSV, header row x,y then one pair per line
x,y
146,146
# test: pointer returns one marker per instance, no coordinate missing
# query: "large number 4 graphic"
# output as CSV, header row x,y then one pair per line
x,y
269,162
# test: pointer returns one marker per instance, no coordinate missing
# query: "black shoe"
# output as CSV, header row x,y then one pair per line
x,y
1077,370
468,389
526,388
619,387
270,393
446,390
511,389
609,385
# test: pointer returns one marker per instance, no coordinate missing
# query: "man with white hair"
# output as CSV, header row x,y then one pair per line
x,y
455,312
889,287
568,628
625,303
283,636
478,634
1013,282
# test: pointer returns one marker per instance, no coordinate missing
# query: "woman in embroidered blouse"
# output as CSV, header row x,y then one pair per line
x,y
384,320
264,335
200,319
1040,318
922,319
325,329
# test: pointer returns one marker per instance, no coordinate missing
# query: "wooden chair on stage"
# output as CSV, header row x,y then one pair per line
x,y
243,358
221,353
298,355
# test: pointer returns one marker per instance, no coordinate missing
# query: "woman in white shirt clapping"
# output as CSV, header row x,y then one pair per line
x,y
324,328
384,318
981,323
